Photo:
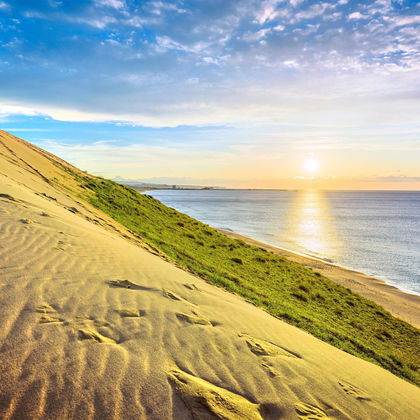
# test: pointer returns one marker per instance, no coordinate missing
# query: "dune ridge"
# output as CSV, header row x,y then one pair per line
x,y
95,325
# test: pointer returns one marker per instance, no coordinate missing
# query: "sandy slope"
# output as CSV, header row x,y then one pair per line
x,y
94,326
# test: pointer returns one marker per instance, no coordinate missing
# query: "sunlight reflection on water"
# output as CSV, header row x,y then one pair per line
x,y
375,232
311,224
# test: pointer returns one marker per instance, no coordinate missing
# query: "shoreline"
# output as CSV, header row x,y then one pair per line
x,y
401,304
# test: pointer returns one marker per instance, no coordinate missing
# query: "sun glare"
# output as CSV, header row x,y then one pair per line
x,y
311,165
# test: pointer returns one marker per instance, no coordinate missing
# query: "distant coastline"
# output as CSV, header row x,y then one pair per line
x,y
142,186
241,214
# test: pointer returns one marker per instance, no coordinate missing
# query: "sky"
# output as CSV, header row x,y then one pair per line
x,y
217,92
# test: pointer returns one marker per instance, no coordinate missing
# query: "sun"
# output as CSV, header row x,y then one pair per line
x,y
311,165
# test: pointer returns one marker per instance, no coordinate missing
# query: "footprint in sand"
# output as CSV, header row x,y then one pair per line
x,y
210,402
85,321
45,308
171,295
129,313
193,319
191,286
9,198
126,284
309,412
85,326
100,323
354,391
272,371
265,348
72,210
46,319
25,221
89,334
46,196
61,246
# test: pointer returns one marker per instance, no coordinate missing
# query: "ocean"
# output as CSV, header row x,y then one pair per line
x,y
374,232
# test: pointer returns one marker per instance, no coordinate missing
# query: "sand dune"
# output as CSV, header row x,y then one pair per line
x,y
95,326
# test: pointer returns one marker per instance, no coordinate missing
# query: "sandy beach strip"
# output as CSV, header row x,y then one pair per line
x,y
402,305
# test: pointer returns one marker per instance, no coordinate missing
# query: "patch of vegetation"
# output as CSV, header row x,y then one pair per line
x,y
286,289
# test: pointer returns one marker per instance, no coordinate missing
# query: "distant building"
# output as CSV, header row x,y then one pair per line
x,y
174,187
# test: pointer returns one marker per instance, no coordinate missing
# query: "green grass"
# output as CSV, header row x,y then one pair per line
x,y
283,288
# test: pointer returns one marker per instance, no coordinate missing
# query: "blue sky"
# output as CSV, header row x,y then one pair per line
x,y
234,92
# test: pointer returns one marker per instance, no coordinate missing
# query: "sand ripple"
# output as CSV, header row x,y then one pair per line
x,y
95,327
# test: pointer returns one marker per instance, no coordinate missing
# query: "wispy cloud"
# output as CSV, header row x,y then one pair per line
x,y
262,33
159,7
25,130
314,11
405,20
115,4
267,11
357,15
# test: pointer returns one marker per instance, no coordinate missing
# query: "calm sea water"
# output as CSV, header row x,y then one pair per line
x,y
375,232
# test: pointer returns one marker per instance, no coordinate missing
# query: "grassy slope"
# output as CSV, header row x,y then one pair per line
x,y
285,289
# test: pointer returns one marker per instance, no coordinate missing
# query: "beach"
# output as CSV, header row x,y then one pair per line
x,y
401,304
373,232
213,212
97,325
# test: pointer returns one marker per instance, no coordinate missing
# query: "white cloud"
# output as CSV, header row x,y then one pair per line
x,y
295,3
262,33
405,20
314,11
332,17
4,5
215,60
159,6
307,29
115,4
291,64
99,23
256,36
356,16
267,12
165,43
12,44
169,116
55,3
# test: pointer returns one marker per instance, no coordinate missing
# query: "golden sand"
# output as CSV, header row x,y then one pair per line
x,y
94,326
